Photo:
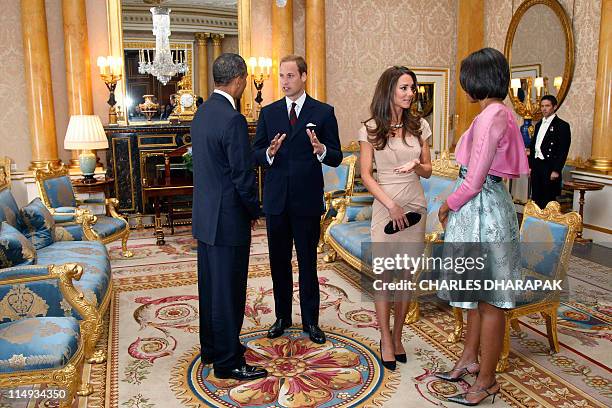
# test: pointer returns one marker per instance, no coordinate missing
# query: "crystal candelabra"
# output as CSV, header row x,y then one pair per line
x,y
530,109
161,64
259,70
110,71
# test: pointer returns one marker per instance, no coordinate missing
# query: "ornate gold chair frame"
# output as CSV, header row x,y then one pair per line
x,y
84,216
547,308
69,377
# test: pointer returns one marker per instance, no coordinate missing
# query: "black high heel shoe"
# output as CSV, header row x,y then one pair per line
x,y
401,358
461,398
463,371
389,365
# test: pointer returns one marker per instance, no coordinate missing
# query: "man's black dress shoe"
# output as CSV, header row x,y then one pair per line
x,y
316,334
242,373
278,328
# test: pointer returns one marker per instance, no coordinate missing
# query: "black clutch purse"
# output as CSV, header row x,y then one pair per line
x,y
413,218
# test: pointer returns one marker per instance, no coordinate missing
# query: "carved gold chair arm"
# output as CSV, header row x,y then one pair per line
x,y
111,207
87,220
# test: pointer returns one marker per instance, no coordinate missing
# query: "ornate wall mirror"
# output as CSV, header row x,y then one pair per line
x,y
131,36
540,49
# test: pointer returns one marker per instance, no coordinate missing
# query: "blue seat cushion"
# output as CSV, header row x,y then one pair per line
x,y
92,255
437,189
351,235
105,226
358,213
15,248
335,178
9,211
542,243
39,223
37,343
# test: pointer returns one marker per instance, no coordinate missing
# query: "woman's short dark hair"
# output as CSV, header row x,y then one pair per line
x,y
485,74
227,67
550,98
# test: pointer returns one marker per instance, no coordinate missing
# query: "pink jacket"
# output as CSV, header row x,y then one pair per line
x,y
492,145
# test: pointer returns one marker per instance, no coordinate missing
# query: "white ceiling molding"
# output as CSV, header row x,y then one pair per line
x,y
182,19
228,4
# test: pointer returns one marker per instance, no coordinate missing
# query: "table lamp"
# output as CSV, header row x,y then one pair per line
x,y
85,133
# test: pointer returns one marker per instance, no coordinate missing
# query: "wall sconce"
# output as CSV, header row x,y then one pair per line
x,y
259,69
523,104
110,71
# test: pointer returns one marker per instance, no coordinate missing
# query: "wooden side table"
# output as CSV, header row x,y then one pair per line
x,y
102,185
582,187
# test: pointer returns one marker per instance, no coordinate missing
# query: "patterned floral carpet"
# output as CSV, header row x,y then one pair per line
x,y
154,351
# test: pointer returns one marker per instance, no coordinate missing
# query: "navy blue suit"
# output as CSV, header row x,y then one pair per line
x,y
293,198
224,203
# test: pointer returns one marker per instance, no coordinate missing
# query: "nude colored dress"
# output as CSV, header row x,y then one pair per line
x,y
406,190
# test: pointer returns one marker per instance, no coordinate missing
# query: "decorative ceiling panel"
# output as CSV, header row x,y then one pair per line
x,y
228,4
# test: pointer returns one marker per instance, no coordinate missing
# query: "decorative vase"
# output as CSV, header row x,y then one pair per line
x,y
148,107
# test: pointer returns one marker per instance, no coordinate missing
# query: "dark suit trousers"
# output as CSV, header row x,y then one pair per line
x,y
543,189
222,283
283,230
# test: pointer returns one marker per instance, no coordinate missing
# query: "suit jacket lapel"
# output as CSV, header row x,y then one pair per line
x,y
551,130
283,117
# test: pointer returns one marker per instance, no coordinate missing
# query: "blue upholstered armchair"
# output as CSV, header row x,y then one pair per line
x,y
338,182
39,342
21,255
547,237
58,196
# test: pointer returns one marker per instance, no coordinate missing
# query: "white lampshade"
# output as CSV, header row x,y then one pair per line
x,y
85,132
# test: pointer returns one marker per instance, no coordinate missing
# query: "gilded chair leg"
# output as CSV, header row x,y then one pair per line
x,y
124,249
502,363
515,325
455,336
413,312
550,316
320,247
92,330
69,380
330,256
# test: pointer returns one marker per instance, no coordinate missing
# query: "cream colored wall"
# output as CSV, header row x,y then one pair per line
x,y
363,38
14,128
578,106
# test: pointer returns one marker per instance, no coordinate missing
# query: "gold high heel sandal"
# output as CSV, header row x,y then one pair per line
x,y
463,371
461,398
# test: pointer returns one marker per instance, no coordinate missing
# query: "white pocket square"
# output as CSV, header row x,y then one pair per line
x,y
311,125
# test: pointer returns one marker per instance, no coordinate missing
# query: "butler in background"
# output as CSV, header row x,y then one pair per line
x,y
225,208
548,152
294,136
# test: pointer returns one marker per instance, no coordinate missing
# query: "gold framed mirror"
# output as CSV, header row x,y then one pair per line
x,y
117,42
539,44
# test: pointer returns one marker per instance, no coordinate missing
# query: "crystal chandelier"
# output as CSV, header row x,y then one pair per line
x,y
162,65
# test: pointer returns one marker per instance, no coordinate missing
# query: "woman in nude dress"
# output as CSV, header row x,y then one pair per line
x,y
396,141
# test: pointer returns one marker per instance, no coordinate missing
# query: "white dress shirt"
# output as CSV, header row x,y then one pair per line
x,y
227,96
299,102
540,136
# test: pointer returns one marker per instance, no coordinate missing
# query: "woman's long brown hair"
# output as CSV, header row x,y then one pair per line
x,y
380,109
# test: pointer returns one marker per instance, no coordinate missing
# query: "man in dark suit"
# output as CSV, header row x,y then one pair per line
x,y
225,207
548,152
294,136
